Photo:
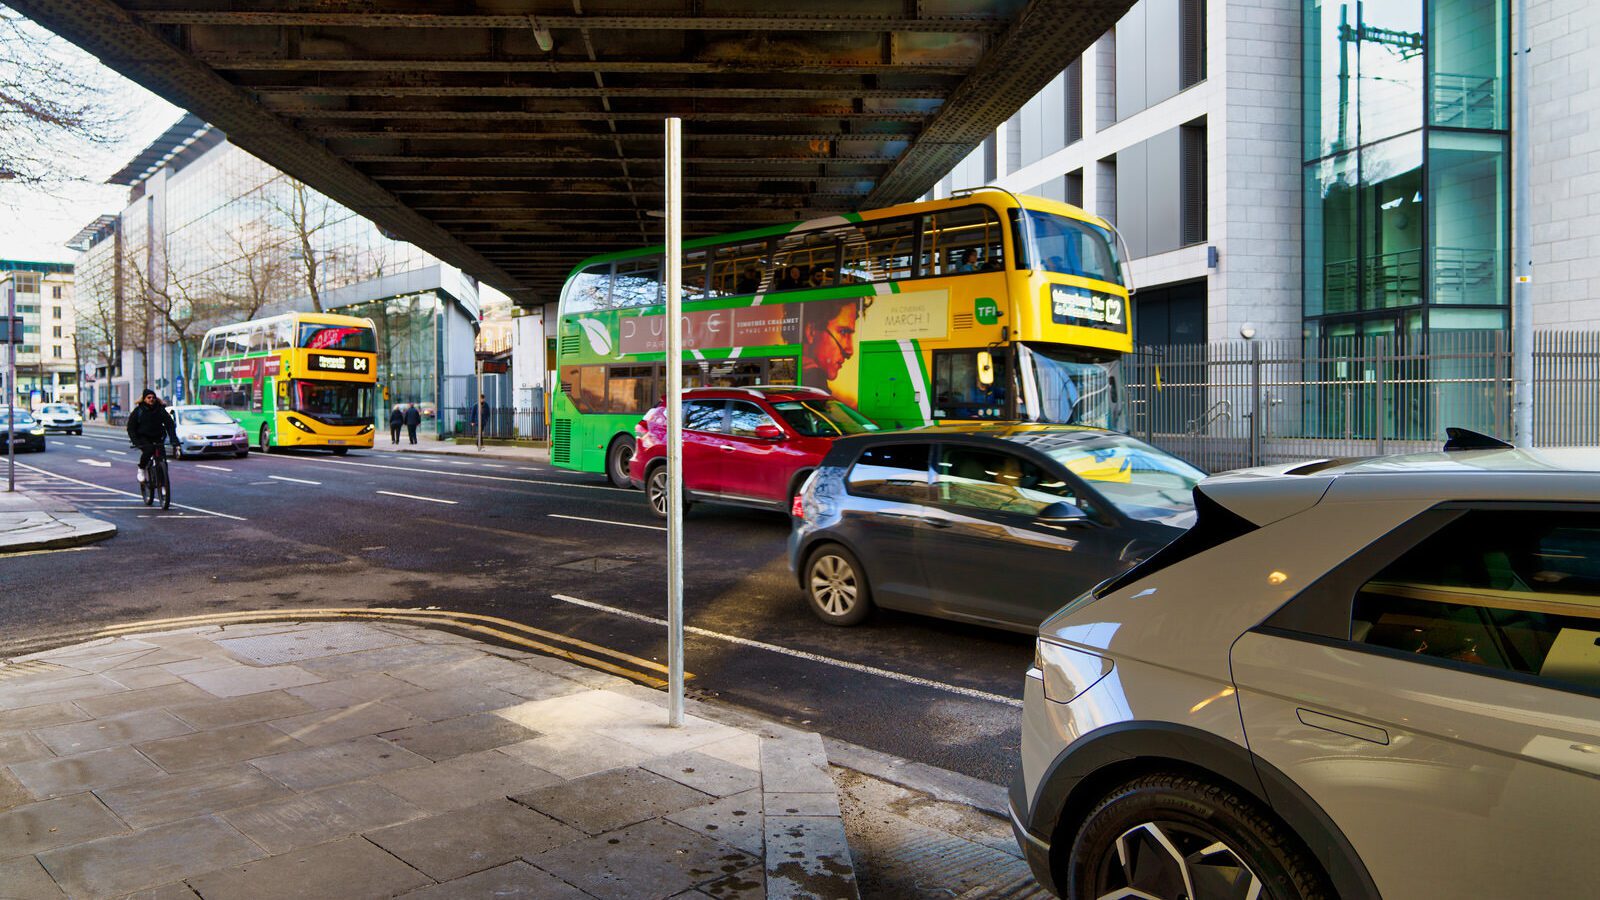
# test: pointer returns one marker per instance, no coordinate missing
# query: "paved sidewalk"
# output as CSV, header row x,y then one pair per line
x,y
31,521
366,759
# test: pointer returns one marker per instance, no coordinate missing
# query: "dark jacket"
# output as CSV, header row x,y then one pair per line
x,y
150,424
398,418
413,417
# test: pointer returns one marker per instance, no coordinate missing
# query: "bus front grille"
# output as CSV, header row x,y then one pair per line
x,y
561,442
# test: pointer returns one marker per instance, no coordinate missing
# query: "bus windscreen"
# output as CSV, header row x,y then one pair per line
x,y
355,338
1070,247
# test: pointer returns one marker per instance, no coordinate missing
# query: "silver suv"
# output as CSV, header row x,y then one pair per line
x,y
1347,680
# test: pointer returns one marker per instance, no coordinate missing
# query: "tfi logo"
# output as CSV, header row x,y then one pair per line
x,y
986,311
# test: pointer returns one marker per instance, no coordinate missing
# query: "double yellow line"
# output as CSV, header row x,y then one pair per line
x,y
627,666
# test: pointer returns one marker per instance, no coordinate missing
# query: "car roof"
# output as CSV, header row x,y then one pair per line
x,y
1039,435
1269,493
189,406
768,392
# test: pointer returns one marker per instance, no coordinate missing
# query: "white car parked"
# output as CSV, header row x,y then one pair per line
x,y
208,429
59,417
1349,679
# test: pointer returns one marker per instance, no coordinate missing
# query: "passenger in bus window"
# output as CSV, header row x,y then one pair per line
x,y
794,278
749,280
967,261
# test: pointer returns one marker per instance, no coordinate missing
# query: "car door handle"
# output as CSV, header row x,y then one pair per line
x,y
1346,727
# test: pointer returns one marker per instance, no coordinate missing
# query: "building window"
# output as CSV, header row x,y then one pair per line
x,y
55,352
1192,182
1192,43
1075,187
55,294
55,311
55,331
1074,101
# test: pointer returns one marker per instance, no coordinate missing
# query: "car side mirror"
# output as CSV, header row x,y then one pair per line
x,y
769,432
1062,513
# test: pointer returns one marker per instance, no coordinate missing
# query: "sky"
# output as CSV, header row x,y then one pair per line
x,y
35,224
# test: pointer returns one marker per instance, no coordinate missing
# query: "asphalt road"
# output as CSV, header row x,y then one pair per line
x,y
504,538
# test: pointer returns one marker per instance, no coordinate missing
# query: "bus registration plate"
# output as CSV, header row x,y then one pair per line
x,y
335,441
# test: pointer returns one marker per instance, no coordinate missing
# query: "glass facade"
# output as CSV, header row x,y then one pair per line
x,y
1406,208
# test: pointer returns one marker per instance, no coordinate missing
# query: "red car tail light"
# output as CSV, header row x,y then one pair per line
x,y
798,507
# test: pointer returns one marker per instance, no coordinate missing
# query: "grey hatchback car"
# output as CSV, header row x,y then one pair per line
x,y
993,524
1348,679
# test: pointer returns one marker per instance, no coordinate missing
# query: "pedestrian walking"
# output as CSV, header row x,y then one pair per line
x,y
397,417
413,419
91,412
480,414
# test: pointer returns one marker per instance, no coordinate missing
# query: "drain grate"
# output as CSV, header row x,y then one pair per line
x,y
293,646
596,564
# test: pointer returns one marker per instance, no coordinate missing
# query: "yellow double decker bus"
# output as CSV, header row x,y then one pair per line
x,y
983,306
295,380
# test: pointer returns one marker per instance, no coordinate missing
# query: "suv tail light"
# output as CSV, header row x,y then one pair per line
x,y
798,507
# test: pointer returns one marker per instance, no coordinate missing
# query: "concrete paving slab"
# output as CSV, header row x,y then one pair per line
x,y
478,670
650,860
215,660
735,820
610,800
144,697
113,866
240,680
572,754
21,746
347,664
24,692
465,780
12,793
306,820
309,643
512,881
351,690
714,776
24,879
41,716
159,655
449,702
821,804
751,884
34,827
63,775
173,797
795,765
177,891
331,726
217,747
741,750
147,677
533,685
473,839
803,859
455,737
316,767
211,712
350,869
112,731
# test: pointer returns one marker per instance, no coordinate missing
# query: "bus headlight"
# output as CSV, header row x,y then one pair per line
x,y
300,425
364,429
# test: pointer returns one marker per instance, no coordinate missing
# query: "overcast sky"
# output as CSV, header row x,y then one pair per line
x,y
35,224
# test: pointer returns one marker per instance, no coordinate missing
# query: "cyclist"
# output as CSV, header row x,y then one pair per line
x,y
148,424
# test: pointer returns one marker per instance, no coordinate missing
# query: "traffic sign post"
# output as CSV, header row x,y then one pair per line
x,y
13,337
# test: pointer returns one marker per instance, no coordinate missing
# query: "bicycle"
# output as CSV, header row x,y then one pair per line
x,y
157,485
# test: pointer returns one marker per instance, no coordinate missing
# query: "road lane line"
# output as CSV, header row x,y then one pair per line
x,y
128,493
414,497
492,465
83,446
98,463
295,480
118,452
605,522
218,468
346,462
800,654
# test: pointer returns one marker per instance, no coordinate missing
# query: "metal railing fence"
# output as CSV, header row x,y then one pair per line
x,y
1239,403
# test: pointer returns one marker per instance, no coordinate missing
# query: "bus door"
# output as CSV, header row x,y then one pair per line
x,y
891,394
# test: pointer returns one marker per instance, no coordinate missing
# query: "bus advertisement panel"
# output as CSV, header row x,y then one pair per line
x,y
980,307
296,380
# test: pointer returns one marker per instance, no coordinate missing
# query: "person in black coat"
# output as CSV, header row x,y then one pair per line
x,y
148,424
397,417
413,419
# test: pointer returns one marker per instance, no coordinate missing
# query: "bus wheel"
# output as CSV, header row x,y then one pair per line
x,y
617,460
265,436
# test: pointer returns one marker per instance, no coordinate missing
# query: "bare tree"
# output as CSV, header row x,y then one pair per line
x,y
307,214
95,310
256,269
55,104
182,302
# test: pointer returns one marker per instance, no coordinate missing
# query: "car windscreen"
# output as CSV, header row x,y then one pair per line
x,y
22,419
1141,481
204,417
823,418
56,410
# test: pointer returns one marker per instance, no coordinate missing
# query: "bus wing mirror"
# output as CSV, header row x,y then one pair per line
x,y
985,368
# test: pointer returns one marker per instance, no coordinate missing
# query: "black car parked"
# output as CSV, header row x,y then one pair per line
x,y
27,432
995,524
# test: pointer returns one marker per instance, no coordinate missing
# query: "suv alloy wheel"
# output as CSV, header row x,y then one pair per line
x,y
836,586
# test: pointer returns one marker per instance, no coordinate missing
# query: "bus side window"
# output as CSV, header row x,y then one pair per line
x,y
881,251
738,269
694,275
282,333
590,290
961,241
637,283
807,260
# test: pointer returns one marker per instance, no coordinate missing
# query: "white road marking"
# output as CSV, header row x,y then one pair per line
x,y
800,654
345,462
83,446
218,468
295,480
415,497
492,465
605,522
118,452
98,463
112,490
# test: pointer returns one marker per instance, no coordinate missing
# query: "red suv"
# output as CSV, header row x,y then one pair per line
x,y
752,446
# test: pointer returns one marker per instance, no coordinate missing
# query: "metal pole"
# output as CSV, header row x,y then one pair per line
x,y
478,410
1255,403
11,386
1522,290
674,256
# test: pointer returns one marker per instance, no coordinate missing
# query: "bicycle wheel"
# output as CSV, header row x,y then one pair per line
x,y
164,485
147,488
